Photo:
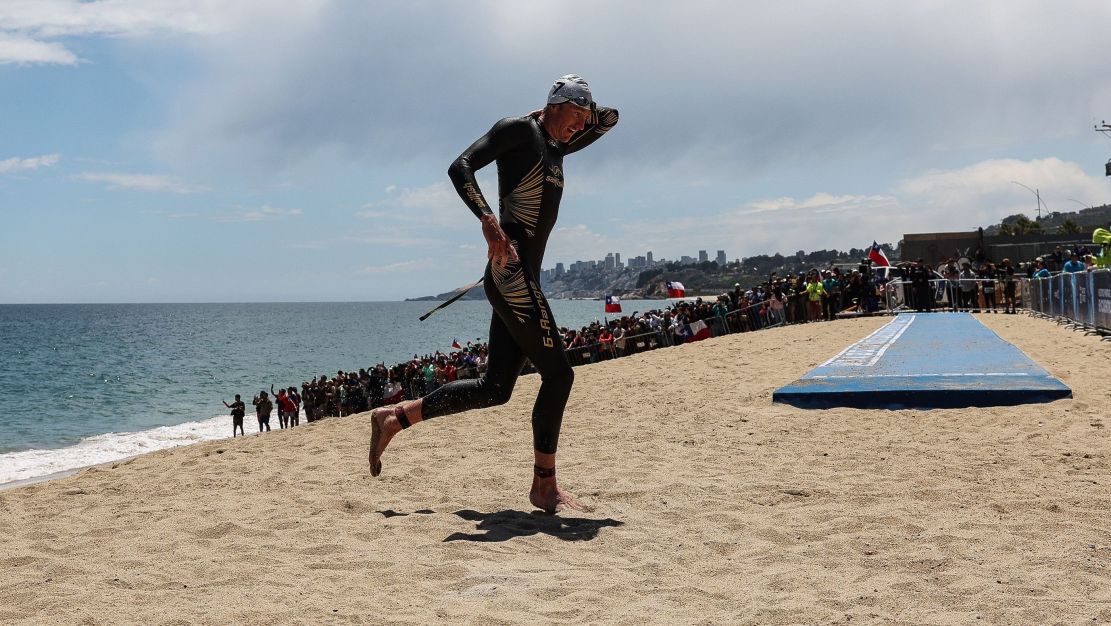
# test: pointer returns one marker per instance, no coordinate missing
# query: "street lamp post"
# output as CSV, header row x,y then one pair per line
x,y
1037,194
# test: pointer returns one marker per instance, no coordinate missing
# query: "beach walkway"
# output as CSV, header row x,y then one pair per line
x,y
918,360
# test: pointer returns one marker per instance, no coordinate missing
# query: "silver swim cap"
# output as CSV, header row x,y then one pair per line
x,y
571,88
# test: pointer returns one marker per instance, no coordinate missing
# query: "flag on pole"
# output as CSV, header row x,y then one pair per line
x,y
675,289
877,255
455,344
613,304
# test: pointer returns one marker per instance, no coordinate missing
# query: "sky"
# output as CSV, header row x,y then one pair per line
x,y
211,151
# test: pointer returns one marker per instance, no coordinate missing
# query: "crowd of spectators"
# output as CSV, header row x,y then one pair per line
x,y
815,295
357,391
978,284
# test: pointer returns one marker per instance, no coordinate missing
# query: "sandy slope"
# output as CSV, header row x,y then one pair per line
x,y
711,505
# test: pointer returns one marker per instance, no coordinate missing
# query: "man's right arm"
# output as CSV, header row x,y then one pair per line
x,y
504,136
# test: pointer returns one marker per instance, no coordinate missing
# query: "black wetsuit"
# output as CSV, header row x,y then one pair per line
x,y
530,185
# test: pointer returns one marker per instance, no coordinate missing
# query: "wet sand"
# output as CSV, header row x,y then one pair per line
x,y
711,505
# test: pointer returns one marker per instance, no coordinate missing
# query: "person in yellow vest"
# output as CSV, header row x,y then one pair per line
x,y
814,292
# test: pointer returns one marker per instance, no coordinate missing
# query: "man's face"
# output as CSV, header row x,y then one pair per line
x,y
564,120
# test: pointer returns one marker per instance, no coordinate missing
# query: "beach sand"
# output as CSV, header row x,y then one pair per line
x,y
711,505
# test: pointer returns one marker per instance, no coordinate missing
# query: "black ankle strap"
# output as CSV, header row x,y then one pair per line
x,y
402,419
543,472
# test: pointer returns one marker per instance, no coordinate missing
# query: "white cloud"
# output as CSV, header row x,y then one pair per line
x,y
1054,178
27,25
436,204
577,242
16,164
819,203
15,49
142,182
265,213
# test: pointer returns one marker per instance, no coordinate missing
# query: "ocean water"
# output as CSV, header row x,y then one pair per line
x,y
92,383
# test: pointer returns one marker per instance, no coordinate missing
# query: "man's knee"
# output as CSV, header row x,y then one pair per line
x,y
563,377
496,394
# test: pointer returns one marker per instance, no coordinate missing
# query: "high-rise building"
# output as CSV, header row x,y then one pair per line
x,y
721,258
609,264
702,256
648,258
559,271
686,260
617,259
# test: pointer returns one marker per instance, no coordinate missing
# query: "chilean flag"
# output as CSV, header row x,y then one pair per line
x,y
877,255
675,289
455,344
613,304
696,331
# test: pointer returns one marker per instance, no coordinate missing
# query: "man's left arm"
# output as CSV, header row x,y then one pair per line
x,y
602,119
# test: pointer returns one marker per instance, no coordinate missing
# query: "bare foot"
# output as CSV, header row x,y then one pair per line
x,y
545,495
383,426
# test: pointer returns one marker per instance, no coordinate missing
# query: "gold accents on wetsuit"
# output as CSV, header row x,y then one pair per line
x,y
523,203
475,196
601,120
513,287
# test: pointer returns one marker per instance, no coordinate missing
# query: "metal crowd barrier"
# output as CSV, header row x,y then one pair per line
x,y
1080,299
948,295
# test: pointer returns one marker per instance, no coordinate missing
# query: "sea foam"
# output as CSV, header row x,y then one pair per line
x,y
29,464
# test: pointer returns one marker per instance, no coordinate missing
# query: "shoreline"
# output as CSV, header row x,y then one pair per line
x,y
106,448
23,482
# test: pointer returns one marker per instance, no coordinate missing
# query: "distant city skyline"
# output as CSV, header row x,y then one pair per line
x,y
612,261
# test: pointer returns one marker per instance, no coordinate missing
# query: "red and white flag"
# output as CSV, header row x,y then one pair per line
x,y
697,331
613,304
675,289
455,344
877,255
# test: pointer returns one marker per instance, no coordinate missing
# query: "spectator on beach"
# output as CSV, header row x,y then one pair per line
x,y
263,407
605,344
988,275
295,401
953,281
921,292
238,410
1007,274
968,291
283,406
1074,264
831,296
1040,271
308,399
775,306
814,292
1056,260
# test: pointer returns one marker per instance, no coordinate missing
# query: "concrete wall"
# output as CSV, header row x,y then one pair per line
x,y
936,247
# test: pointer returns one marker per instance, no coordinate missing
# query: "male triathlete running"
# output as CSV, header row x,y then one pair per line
x,y
529,153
